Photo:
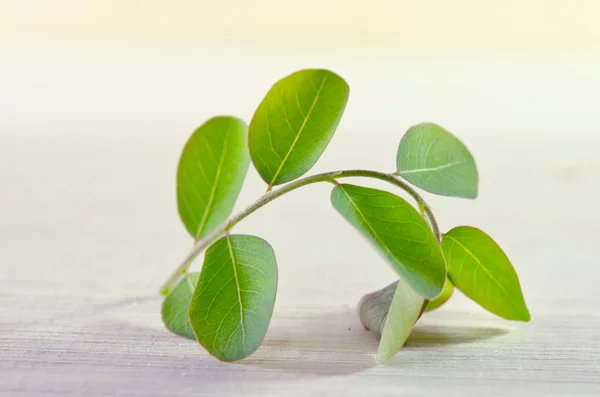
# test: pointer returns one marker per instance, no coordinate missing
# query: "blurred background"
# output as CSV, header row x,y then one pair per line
x,y
147,67
97,99
429,25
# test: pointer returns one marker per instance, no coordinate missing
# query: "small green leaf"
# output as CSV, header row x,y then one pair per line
x,y
294,123
233,301
176,304
374,307
402,315
211,172
436,161
479,268
442,298
400,233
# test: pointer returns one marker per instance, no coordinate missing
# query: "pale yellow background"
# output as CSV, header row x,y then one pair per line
x,y
515,25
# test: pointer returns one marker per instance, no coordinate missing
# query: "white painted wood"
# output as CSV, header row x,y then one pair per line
x,y
89,230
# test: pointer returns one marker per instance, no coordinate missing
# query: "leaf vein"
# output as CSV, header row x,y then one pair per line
x,y
202,224
299,133
237,283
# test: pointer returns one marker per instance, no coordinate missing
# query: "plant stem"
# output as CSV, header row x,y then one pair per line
x,y
272,195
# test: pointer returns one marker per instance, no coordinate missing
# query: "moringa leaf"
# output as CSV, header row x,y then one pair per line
x,y
211,172
175,306
374,307
233,301
480,269
442,298
401,317
436,161
401,234
294,123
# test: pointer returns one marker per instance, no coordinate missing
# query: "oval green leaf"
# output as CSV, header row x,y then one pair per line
x,y
402,315
480,269
398,231
294,123
175,307
233,301
436,161
211,171
442,298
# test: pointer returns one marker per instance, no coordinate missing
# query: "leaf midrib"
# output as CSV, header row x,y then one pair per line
x,y
509,296
441,167
239,292
202,224
285,158
375,234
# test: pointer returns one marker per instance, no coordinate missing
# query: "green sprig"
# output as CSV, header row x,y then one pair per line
x,y
227,306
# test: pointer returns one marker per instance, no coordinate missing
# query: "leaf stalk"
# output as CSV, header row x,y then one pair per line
x,y
330,177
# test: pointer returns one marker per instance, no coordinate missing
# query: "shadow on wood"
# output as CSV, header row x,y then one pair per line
x,y
449,335
316,342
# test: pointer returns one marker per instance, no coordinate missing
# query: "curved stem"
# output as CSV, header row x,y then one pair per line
x,y
272,195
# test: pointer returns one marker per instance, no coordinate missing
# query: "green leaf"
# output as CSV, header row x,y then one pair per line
x,y
175,307
402,315
401,234
374,307
233,301
294,123
211,172
479,268
442,298
436,161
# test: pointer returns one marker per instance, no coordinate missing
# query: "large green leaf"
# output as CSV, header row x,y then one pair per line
x,y
294,123
176,305
436,161
402,315
400,233
442,298
233,301
479,268
211,172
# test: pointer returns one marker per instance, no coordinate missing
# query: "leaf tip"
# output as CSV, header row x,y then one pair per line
x,y
382,357
525,316
473,195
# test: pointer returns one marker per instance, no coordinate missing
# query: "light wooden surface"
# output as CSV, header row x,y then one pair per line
x,y
89,229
